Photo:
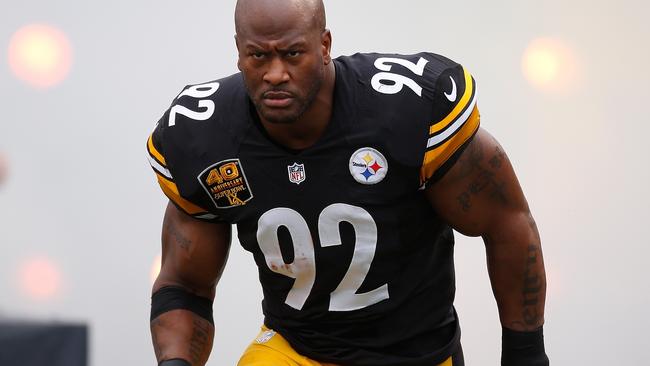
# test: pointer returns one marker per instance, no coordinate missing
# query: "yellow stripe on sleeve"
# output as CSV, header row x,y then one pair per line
x,y
462,103
171,191
435,158
448,362
154,152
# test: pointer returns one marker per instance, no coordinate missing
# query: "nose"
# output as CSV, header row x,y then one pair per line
x,y
277,72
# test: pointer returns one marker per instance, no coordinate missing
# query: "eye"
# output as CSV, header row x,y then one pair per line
x,y
294,53
257,55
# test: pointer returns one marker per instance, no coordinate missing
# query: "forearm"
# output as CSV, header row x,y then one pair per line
x,y
516,268
182,334
182,323
193,256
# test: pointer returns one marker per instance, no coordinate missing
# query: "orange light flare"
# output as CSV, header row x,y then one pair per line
x,y
155,268
40,278
4,168
550,65
40,55
555,285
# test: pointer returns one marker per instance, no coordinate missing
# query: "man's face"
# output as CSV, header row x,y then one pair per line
x,y
283,67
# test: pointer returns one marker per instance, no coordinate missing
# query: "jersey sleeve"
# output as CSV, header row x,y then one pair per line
x,y
165,177
456,120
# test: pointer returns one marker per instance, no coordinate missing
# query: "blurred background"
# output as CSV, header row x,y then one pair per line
x,y
562,85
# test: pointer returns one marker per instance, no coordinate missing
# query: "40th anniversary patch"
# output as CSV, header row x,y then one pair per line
x,y
226,184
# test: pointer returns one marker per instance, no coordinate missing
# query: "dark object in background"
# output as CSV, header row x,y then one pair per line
x,y
43,344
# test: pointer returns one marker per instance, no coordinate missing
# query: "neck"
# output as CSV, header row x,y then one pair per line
x,y
305,131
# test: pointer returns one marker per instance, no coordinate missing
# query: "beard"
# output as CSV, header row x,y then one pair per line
x,y
292,113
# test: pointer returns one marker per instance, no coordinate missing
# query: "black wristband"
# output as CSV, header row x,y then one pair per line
x,y
174,362
523,348
171,298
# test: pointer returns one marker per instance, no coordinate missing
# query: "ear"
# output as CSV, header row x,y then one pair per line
x,y
326,44
238,53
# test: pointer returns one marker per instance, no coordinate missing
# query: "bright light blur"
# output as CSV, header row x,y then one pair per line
x,y
40,278
3,168
554,280
40,55
155,268
549,64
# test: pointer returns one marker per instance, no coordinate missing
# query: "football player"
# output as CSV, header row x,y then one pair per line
x,y
345,178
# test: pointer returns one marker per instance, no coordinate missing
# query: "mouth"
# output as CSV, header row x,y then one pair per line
x,y
277,99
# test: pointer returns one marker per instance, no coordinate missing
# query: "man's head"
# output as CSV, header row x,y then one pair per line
x,y
283,53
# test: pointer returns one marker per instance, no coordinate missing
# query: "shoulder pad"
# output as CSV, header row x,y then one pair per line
x,y
455,119
200,116
425,100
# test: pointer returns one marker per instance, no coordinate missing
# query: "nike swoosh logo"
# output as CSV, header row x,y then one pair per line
x,y
452,96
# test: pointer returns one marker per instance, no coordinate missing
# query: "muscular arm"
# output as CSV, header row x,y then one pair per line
x,y
480,196
193,256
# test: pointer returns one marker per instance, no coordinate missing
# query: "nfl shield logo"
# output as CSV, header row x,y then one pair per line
x,y
296,173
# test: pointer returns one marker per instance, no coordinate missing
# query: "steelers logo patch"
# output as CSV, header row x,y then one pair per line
x,y
368,166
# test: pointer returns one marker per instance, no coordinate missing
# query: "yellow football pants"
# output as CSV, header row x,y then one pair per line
x,y
271,349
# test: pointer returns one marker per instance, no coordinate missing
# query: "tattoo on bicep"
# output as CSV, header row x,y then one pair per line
x,y
497,160
464,200
470,160
532,288
200,340
178,237
484,179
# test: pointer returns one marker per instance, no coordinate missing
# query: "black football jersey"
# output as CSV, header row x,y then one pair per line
x,y
356,268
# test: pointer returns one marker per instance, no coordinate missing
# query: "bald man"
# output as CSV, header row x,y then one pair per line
x,y
345,178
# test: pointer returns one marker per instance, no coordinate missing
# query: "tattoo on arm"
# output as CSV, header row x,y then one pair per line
x,y
156,347
531,292
497,160
532,288
484,178
178,236
199,341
